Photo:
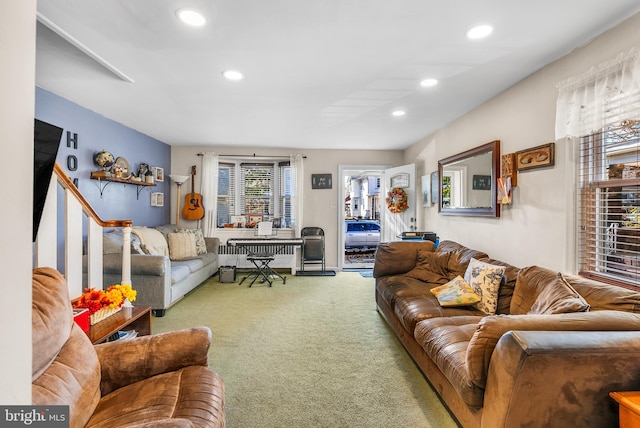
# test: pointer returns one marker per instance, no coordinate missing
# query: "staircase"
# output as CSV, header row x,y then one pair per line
x,y
77,212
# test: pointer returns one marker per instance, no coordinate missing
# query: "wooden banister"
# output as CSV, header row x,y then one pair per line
x,y
66,183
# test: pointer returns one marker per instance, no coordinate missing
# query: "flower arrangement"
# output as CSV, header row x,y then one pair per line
x,y
113,298
397,200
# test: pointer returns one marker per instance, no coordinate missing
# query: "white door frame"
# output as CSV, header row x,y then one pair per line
x,y
342,171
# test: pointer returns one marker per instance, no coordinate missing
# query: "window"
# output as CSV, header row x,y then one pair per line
x,y
609,206
246,188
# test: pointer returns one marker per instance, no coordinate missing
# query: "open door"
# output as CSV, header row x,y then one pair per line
x,y
403,179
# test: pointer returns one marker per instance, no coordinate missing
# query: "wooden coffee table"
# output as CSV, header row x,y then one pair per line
x,y
137,318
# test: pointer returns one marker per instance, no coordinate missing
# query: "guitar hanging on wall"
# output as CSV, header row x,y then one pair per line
x,y
193,209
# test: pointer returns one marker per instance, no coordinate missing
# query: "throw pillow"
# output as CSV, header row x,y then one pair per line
x,y
151,240
201,245
112,243
485,280
182,246
456,292
430,267
559,297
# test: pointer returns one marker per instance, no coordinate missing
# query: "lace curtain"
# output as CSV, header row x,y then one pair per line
x,y
209,186
608,94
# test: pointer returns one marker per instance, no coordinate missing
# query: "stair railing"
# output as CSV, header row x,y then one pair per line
x,y
76,208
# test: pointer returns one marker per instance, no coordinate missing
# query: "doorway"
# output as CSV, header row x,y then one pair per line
x,y
360,214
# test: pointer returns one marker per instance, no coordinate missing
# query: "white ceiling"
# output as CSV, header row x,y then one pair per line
x,y
319,73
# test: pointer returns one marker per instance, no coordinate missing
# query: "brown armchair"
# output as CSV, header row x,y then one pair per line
x,y
149,381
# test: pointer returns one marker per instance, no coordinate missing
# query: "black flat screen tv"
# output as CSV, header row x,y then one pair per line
x,y
46,141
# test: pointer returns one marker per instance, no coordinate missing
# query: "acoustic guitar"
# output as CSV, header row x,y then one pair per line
x,y
193,209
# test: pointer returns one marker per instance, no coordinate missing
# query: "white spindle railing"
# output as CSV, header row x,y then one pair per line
x,y
76,208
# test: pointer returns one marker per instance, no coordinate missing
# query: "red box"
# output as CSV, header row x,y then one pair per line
x,y
81,317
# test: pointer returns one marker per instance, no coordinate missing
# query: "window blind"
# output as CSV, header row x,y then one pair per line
x,y
226,193
609,195
257,188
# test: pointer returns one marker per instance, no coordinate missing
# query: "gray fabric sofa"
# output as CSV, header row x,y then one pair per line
x,y
159,281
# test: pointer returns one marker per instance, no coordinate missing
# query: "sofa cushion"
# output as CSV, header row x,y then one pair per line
x,y
485,279
184,396
490,329
398,257
558,297
201,245
430,267
112,243
390,288
152,241
182,246
531,281
601,296
460,257
445,341
178,273
411,310
194,264
456,292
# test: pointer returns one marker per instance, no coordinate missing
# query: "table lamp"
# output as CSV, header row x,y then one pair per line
x,y
178,179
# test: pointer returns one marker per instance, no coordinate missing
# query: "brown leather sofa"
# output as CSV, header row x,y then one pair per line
x,y
149,381
514,368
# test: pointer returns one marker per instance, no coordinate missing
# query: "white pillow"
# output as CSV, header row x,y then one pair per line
x,y
182,246
485,280
152,241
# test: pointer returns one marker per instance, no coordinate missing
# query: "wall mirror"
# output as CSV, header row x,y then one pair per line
x,y
468,182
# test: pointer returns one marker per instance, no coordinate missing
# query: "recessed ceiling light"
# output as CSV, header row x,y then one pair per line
x,y
233,75
429,82
191,17
479,31
399,113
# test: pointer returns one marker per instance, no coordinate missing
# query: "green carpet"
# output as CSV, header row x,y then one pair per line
x,y
311,353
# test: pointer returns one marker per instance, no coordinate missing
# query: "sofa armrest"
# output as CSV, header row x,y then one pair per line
x,y
559,379
213,245
393,258
141,264
130,360
490,329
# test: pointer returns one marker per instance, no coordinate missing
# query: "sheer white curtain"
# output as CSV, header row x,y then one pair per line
x,y
608,94
297,181
209,186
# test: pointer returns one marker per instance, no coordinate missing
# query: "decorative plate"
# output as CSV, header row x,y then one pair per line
x,y
123,164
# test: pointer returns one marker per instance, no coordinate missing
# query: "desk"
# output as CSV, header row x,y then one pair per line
x,y
261,252
629,408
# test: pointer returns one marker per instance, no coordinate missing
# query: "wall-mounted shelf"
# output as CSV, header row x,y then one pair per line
x,y
104,181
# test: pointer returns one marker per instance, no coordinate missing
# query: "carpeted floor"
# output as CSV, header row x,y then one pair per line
x,y
311,353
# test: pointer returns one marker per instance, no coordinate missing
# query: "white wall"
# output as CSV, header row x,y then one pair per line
x,y
539,227
17,86
321,207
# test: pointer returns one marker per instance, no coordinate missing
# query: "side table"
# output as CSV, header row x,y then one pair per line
x,y
629,408
136,318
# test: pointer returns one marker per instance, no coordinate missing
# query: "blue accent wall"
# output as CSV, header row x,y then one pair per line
x,y
95,133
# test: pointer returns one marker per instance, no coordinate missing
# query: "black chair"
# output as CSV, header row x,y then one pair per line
x,y
312,251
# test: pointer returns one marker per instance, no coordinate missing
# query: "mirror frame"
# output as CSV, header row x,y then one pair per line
x,y
494,210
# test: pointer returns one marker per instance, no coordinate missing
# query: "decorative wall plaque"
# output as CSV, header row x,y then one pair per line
x,y
321,181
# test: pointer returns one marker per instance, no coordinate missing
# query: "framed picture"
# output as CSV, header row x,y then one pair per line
x,y
158,173
253,219
508,168
481,182
426,191
435,184
321,181
157,199
238,220
536,157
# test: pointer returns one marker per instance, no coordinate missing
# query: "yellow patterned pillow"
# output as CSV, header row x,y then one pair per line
x,y
456,292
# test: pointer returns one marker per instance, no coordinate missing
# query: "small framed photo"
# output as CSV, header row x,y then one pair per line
x,y
321,181
158,173
157,199
481,182
238,220
536,157
253,219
